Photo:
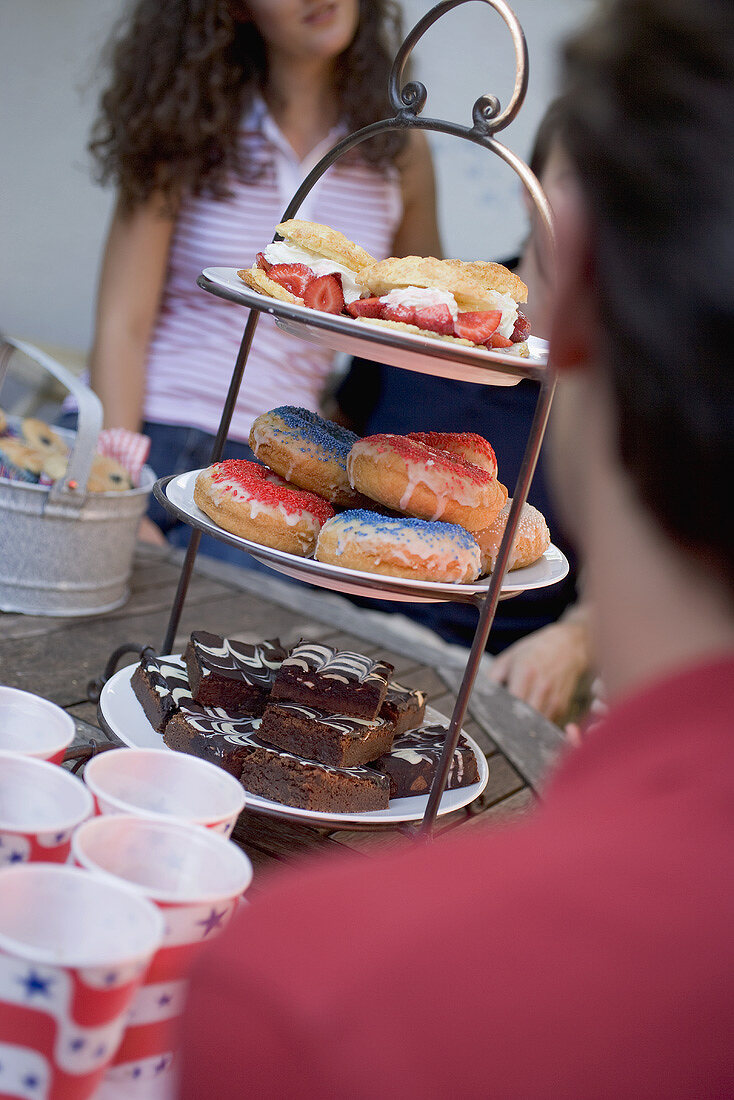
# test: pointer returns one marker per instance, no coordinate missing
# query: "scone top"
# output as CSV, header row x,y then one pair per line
x,y
474,285
324,241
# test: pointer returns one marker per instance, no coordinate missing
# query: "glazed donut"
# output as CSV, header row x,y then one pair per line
x,y
398,547
307,451
467,445
532,538
248,500
37,434
409,476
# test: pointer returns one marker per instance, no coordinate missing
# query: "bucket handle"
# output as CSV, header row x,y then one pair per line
x,y
67,494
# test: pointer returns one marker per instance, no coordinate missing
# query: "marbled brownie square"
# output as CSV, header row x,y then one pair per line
x,y
333,680
405,707
336,739
411,764
231,674
160,683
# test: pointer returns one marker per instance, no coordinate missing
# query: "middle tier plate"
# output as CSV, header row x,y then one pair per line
x,y
177,495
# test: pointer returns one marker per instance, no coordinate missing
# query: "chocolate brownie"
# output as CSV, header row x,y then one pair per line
x,y
340,740
207,732
404,707
337,681
412,763
283,777
160,683
231,674
235,744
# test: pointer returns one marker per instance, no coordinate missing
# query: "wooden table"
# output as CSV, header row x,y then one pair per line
x,y
57,658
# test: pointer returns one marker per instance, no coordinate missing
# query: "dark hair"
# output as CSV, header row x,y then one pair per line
x,y
648,124
183,74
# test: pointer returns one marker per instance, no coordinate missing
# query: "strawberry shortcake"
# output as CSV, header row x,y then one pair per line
x,y
470,302
313,266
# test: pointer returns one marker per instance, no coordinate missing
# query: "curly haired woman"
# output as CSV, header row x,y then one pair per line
x,y
216,111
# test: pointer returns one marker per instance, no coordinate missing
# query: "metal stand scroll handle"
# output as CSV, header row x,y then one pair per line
x,y
408,101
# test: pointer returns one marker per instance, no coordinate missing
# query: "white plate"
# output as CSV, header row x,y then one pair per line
x,y
124,716
550,569
399,349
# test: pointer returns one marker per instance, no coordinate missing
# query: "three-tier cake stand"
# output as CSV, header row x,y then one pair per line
x,y
408,351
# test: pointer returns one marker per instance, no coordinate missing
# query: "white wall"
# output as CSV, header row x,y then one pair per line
x,y
53,217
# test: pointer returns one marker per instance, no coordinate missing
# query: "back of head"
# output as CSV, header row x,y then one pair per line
x,y
649,119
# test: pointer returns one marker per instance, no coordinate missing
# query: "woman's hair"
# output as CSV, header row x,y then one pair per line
x,y
184,73
649,121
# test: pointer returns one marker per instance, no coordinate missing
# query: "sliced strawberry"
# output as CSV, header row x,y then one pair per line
x,y
366,307
435,319
262,262
479,326
497,340
521,330
405,314
325,293
294,277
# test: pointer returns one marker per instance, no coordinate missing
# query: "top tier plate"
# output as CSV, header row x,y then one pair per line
x,y
398,349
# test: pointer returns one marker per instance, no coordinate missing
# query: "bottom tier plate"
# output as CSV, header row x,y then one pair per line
x,y
177,494
121,714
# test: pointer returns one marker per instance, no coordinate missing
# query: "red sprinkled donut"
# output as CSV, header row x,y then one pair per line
x,y
467,445
408,476
249,500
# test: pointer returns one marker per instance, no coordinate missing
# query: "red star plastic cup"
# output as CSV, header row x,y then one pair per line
x,y
160,783
73,950
196,878
32,726
40,806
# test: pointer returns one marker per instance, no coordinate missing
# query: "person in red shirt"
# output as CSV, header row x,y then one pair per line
x,y
588,950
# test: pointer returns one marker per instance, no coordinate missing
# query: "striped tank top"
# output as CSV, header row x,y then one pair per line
x,y
197,336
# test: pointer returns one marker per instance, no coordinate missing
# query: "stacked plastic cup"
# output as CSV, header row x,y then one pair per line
x,y
40,806
73,951
160,783
196,879
33,726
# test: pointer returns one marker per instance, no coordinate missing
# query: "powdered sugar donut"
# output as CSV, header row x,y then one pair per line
x,y
398,547
532,538
249,501
306,450
409,476
467,445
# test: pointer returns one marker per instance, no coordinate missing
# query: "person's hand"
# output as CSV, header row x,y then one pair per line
x,y
544,668
150,532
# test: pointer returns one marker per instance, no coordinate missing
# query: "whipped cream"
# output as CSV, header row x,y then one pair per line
x,y
509,311
418,297
285,252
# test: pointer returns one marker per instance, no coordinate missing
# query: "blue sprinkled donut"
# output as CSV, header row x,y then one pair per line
x,y
398,547
308,451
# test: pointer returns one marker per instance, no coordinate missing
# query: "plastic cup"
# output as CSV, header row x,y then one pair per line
x,y
33,726
40,806
73,950
161,783
196,879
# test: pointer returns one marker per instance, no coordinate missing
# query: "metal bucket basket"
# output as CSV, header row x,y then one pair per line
x,y
63,550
